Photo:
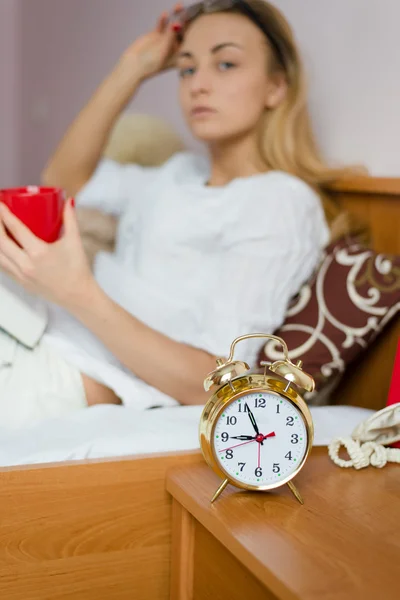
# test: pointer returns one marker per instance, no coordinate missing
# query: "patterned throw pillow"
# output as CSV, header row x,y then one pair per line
x,y
354,293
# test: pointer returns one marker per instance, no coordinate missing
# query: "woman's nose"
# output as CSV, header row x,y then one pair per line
x,y
201,83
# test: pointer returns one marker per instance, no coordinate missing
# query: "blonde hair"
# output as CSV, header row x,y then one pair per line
x,y
287,141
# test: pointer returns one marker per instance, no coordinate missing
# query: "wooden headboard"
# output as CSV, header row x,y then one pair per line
x,y
376,202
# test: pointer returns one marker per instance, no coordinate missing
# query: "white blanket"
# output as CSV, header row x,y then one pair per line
x,y
115,431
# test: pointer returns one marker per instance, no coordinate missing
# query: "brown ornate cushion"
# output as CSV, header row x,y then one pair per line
x,y
352,296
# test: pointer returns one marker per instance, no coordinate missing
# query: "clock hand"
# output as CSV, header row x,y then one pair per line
x,y
252,419
260,437
237,445
242,437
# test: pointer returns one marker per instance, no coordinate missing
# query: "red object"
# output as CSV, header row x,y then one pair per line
x,y
260,437
40,208
237,445
394,392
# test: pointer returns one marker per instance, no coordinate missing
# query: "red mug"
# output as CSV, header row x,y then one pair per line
x,y
39,208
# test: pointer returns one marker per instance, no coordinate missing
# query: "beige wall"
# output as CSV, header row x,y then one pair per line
x,y
352,52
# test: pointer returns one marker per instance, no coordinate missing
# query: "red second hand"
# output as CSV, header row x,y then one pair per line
x,y
264,437
259,455
237,445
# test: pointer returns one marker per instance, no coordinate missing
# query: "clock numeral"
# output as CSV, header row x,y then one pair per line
x,y
242,466
290,421
258,472
229,454
278,411
225,436
276,468
244,408
231,420
260,403
288,456
294,438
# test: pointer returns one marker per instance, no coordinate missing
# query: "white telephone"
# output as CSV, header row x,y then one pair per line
x,y
367,445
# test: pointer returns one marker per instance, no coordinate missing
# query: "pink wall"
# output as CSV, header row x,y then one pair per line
x,y
62,69
9,97
67,46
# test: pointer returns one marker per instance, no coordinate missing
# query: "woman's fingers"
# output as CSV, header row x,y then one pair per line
x,y
162,22
54,271
178,8
71,227
165,20
20,232
177,21
13,258
8,266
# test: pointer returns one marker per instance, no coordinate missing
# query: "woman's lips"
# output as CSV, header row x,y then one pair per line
x,y
201,111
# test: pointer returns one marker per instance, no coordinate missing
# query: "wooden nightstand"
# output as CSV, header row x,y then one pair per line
x,y
344,543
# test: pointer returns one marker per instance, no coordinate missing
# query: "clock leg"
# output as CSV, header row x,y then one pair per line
x,y
295,492
220,490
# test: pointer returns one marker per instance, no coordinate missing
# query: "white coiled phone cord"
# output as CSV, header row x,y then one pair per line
x,y
362,455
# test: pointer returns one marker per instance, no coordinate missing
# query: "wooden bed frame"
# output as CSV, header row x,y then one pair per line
x,y
101,530
376,202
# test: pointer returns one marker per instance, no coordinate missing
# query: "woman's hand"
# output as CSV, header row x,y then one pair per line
x,y
58,272
155,51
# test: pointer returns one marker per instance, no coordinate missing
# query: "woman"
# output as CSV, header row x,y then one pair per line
x,y
207,249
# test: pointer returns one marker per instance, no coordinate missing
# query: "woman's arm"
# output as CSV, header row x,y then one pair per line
x,y
176,369
60,273
80,150
82,146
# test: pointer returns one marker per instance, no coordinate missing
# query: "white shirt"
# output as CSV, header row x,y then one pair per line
x,y
200,264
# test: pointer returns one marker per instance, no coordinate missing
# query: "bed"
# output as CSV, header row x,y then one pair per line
x,y
100,528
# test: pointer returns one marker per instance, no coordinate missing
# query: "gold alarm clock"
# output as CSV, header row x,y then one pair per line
x,y
256,431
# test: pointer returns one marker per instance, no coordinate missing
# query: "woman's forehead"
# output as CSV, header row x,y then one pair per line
x,y
208,31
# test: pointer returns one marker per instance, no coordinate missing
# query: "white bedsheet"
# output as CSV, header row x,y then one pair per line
x,y
115,431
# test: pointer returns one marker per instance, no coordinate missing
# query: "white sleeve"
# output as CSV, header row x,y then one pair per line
x,y
113,186
258,276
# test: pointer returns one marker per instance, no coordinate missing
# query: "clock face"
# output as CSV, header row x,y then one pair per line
x,y
260,439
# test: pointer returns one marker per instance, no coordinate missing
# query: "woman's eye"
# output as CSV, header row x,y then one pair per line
x,y
187,72
226,65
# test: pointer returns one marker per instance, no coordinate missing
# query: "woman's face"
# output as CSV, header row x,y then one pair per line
x,y
224,82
